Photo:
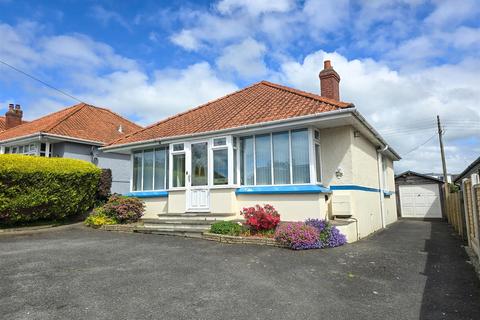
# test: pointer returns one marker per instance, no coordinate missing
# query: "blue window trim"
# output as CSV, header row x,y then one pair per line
x,y
291,189
354,187
147,194
360,188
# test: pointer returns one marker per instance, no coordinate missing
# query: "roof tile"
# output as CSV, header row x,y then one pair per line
x,y
261,102
81,121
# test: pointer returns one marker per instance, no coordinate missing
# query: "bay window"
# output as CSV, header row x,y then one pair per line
x,y
279,158
149,170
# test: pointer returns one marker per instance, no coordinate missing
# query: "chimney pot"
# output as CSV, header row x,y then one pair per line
x,y
329,82
13,117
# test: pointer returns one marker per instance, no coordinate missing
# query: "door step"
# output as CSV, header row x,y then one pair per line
x,y
182,224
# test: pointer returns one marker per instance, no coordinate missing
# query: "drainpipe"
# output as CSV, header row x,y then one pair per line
x,y
380,182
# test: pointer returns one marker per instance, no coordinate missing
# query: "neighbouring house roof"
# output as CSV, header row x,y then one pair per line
x,y
3,125
470,168
258,103
81,121
410,173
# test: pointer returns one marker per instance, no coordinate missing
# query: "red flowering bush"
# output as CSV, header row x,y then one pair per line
x,y
261,218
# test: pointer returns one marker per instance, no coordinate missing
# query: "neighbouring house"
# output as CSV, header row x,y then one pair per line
x,y
75,132
473,168
13,117
419,195
308,155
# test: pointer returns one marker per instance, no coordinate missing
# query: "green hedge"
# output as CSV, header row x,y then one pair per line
x,y
36,188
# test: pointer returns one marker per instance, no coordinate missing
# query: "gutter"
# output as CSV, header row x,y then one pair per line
x,y
47,135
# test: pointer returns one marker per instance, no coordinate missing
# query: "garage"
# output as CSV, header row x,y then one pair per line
x,y
418,196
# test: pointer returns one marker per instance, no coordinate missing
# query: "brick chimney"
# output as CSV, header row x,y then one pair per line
x,y
13,117
329,82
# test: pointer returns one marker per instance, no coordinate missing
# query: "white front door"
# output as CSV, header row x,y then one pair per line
x,y
420,201
198,192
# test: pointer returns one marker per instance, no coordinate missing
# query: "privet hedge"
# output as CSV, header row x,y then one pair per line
x,y
34,188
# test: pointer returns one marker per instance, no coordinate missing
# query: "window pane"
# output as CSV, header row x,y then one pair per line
x,y
300,161
281,158
220,167
318,163
199,164
235,166
160,155
137,171
263,159
178,175
178,147
246,161
148,170
220,142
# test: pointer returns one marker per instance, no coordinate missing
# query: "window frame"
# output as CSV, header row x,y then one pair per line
x,y
311,157
132,171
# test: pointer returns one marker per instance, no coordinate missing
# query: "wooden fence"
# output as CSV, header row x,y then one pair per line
x,y
463,211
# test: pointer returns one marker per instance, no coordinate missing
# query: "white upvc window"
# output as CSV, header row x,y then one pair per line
x,y
30,149
149,169
280,158
317,153
220,164
177,160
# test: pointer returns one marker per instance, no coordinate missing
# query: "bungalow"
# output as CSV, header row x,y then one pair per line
x,y
308,155
75,132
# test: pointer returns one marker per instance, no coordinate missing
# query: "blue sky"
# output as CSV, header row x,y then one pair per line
x,y
401,62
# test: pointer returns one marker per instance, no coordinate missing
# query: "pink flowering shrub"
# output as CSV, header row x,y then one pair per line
x,y
261,218
297,236
124,209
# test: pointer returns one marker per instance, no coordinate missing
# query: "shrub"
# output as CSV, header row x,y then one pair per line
x,y
258,218
226,227
329,236
104,185
99,218
124,209
297,235
37,188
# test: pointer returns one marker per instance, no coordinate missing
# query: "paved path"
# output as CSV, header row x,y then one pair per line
x,y
412,270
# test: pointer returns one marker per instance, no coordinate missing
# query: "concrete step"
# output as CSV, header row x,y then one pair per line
x,y
178,221
169,232
196,215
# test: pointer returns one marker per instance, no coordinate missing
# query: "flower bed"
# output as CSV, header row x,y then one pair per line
x,y
262,226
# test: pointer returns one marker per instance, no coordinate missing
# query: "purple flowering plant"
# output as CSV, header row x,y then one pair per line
x,y
297,236
329,236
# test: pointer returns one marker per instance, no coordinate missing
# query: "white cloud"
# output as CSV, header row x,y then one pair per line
x,y
451,13
93,72
255,7
404,105
168,92
186,39
107,16
244,58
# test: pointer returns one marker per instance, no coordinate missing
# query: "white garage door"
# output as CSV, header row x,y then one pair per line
x,y
420,201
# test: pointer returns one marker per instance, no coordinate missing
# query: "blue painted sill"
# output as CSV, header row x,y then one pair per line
x,y
147,194
293,189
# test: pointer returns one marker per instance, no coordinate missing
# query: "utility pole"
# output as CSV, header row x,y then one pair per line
x,y
444,165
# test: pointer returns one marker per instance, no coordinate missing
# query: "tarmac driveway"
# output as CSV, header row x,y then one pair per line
x,y
412,270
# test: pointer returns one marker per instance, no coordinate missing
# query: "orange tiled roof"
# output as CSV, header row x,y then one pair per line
x,y
261,102
81,121
3,125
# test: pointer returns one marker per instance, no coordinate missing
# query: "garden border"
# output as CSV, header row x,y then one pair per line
x,y
241,240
